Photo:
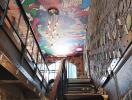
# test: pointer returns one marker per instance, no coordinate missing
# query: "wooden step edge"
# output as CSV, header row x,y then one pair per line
x,y
81,94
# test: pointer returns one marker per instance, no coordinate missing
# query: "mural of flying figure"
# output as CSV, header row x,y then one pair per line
x,y
69,26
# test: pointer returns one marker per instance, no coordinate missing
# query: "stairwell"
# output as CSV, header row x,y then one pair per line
x,y
82,89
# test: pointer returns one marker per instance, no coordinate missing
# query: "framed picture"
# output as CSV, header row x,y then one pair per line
x,y
3,10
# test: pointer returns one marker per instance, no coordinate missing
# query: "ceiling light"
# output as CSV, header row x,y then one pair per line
x,y
78,49
61,50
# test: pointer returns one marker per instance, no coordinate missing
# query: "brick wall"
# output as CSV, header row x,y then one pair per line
x,y
110,32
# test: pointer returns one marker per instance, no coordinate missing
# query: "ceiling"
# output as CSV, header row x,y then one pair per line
x,y
64,34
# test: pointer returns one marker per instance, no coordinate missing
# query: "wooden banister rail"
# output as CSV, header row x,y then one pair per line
x,y
53,92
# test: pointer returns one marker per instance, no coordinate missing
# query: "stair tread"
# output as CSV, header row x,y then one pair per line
x,y
72,81
81,88
80,85
81,94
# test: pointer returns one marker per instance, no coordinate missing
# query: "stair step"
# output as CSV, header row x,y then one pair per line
x,y
81,89
92,91
80,85
83,96
78,81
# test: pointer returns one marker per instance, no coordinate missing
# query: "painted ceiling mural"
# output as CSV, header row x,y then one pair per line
x,y
59,34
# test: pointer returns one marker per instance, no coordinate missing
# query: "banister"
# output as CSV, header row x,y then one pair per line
x,y
28,23
24,44
53,92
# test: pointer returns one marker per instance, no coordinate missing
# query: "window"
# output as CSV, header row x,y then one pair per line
x,y
71,70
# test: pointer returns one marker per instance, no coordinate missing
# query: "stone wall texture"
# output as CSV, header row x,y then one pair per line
x,y
110,34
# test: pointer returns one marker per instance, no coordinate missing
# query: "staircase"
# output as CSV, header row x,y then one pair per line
x,y
81,89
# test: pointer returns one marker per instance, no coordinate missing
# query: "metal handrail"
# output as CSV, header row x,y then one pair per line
x,y
28,23
24,44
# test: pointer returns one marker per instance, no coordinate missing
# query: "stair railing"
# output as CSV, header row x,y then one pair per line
x,y
58,87
30,51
